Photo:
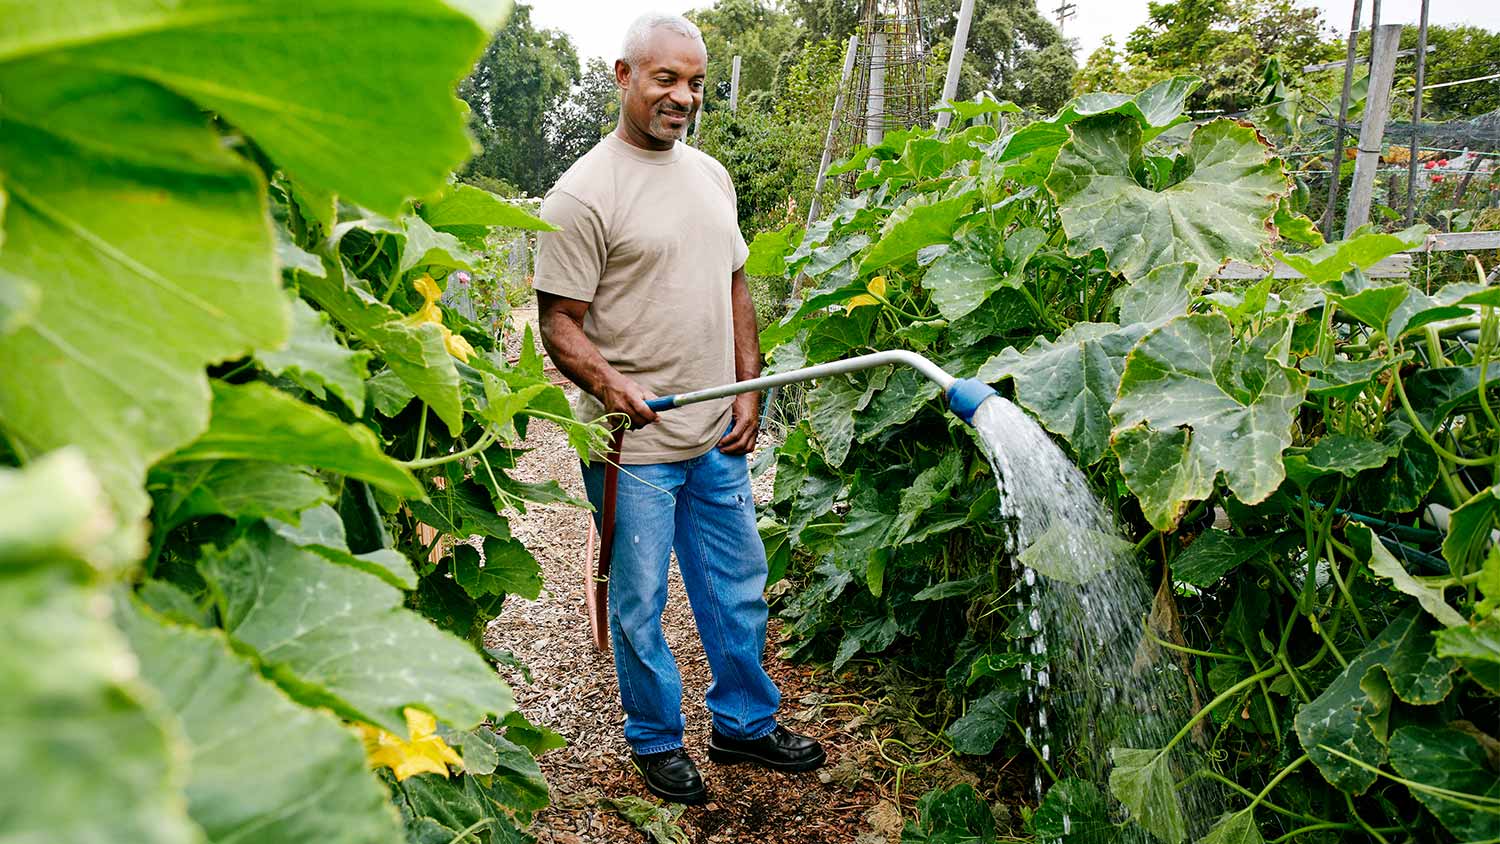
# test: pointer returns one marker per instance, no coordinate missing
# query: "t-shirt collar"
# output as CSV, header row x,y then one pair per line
x,y
646,156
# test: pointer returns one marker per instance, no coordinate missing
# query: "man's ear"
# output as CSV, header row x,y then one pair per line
x,y
622,74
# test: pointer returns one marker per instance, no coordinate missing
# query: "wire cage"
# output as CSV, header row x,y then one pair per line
x,y
889,87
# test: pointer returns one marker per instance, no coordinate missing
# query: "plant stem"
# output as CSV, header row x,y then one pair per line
x,y
1276,780
1223,696
421,434
485,441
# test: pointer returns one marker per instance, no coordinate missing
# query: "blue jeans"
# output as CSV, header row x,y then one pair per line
x,y
703,509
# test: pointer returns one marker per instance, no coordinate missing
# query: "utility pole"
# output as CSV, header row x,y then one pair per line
x,y
1064,11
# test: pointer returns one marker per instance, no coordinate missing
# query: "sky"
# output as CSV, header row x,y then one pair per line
x,y
597,25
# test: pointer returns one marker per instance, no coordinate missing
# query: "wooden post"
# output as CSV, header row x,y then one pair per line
x,y
1337,162
734,85
1372,126
815,205
1416,118
875,103
956,60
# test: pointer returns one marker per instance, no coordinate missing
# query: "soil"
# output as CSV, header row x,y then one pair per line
x,y
572,690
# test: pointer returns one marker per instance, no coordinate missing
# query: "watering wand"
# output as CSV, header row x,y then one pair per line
x,y
964,396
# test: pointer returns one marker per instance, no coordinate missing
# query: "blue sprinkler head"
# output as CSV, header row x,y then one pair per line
x,y
965,397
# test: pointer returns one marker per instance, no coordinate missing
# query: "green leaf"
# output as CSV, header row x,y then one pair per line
x,y
458,208
316,360
415,353
389,393
425,246
1385,566
255,756
960,280
1075,553
1238,828
904,395
830,412
769,249
1477,649
656,822
1337,454
460,510
1217,212
1142,780
516,782
931,487
101,761
127,318
1073,812
1193,403
1362,250
1373,306
1341,379
1470,530
1457,762
254,421
1070,383
919,222
1216,553
957,815
315,627
94,758
1352,714
986,720
1160,294
506,568
965,110
359,109
321,530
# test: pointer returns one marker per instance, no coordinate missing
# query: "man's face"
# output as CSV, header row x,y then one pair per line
x,y
665,88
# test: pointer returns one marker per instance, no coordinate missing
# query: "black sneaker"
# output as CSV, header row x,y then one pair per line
x,y
782,750
671,775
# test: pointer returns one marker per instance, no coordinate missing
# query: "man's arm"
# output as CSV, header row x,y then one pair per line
x,y
561,322
741,437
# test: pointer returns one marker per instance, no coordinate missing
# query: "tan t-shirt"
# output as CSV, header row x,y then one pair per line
x,y
650,239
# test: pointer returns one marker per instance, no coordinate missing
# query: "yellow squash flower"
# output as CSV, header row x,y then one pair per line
x,y
424,753
876,286
431,313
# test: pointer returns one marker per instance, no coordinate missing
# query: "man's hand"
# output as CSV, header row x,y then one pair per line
x,y
623,395
741,437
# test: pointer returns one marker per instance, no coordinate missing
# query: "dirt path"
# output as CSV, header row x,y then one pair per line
x,y
573,691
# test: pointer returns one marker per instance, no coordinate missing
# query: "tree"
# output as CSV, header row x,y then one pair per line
x,y
1014,52
589,112
764,37
522,76
1226,42
1457,52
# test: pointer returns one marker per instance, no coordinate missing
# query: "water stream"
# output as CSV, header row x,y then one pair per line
x,y
1095,686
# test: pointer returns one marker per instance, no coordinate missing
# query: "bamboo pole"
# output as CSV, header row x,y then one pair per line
x,y
956,60
1326,224
1416,118
875,101
734,85
815,205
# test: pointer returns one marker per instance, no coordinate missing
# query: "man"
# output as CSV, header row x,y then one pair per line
x,y
643,292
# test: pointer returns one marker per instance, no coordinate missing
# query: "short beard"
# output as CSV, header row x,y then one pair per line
x,y
658,128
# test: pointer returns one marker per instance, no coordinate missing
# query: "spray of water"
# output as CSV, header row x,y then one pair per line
x,y
1085,599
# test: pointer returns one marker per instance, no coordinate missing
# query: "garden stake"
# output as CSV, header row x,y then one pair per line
x,y
964,396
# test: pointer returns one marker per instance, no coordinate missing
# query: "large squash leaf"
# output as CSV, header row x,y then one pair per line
x,y
98,167
1142,780
1351,717
255,756
315,359
1458,763
341,94
328,634
1193,402
1071,382
90,758
1218,211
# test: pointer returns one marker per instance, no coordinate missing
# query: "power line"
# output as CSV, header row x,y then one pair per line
x,y
1064,11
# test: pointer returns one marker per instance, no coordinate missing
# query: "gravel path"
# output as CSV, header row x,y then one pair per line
x,y
573,692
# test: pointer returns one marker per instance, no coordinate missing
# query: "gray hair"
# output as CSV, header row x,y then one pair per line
x,y
640,30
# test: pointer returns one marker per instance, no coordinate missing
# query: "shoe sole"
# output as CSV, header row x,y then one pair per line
x,y
724,756
690,798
